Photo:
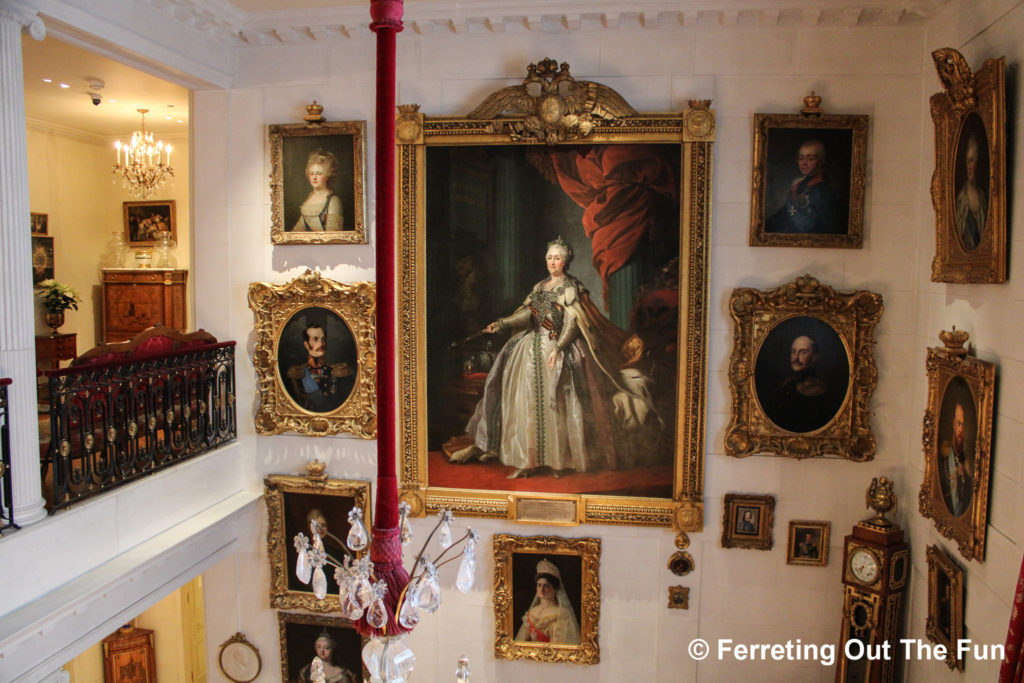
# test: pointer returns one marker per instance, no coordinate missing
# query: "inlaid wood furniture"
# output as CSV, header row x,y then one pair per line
x,y
137,298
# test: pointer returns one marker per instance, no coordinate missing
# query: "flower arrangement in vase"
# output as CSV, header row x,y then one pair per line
x,y
57,297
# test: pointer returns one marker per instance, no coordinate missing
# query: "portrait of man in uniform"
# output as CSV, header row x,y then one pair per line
x,y
958,425
801,374
317,359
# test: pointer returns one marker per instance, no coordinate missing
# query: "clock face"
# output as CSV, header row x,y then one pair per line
x,y
864,566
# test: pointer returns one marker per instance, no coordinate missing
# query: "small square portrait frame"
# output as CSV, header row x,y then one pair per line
x,y
42,258
747,521
945,622
301,391
957,441
293,501
144,220
802,371
569,567
298,634
808,543
969,183
808,180
298,213
40,223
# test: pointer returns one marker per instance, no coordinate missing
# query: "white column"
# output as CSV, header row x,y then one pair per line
x,y
17,316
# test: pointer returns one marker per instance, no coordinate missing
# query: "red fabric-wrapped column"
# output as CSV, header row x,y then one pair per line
x,y
1012,669
386,549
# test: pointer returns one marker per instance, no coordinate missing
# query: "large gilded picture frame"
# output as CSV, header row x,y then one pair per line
x,y
547,598
802,371
969,182
293,502
484,199
317,182
945,622
808,180
957,440
315,356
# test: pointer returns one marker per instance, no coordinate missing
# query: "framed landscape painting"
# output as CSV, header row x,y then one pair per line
x,y
553,300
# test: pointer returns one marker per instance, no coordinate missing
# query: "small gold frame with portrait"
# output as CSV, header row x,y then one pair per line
x,y
747,521
294,148
957,441
945,623
291,502
808,543
520,564
315,382
808,178
802,371
969,183
298,634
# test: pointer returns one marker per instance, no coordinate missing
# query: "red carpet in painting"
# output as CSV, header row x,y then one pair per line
x,y
492,476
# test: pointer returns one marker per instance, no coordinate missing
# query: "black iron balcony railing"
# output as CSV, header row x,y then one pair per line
x,y
6,491
114,422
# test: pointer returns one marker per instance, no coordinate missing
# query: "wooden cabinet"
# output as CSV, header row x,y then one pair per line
x,y
137,298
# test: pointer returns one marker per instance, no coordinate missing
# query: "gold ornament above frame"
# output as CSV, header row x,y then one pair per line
x,y
957,440
315,356
293,503
802,371
547,598
479,199
969,183
318,180
808,179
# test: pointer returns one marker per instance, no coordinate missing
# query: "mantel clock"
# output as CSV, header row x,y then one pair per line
x,y
876,564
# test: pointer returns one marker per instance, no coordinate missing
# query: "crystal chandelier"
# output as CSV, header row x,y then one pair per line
x,y
362,593
146,163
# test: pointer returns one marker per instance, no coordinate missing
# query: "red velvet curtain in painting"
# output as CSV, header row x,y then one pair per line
x,y
1012,669
620,188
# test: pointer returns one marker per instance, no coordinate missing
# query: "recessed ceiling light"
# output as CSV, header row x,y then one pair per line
x,y
111,100
180,121
168,118
47,80
64,85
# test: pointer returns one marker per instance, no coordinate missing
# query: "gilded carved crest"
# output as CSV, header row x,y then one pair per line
x,y
557,106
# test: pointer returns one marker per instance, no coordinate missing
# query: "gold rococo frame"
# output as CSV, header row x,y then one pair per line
x,y
853,316
939,562
505,645
982,93
275,487
943,364
278,132
694,130
272,306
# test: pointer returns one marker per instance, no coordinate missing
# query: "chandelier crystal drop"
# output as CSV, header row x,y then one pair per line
x,y
362,593
146,162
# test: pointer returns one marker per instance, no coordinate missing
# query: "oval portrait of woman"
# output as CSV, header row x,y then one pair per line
x,y
316,358
957,435
970,182
801,374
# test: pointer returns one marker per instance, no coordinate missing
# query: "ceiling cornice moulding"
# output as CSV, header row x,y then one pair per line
x,y
426,17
